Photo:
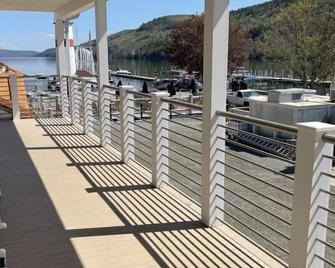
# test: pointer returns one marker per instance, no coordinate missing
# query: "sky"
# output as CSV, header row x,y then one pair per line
x,y
35,30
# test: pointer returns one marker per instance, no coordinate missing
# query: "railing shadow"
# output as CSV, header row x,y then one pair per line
x,y
170,231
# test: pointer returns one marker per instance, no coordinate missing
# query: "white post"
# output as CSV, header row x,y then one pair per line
x,y
62,65
87,98
104,114
75,98
309,181
64,95
127,128
160,144
60,47
14,97
70,50
102,64
215,84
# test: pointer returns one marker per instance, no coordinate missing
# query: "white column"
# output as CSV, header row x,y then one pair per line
x,y
309,181
127,128
70,50
102,62
160,144
64,95
215,85
75,98
87,98
62,65
14,95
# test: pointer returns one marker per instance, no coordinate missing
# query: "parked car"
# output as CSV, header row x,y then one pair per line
x,y
242,97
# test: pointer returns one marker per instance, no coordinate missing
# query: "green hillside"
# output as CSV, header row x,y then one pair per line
x,y
257,21
148,41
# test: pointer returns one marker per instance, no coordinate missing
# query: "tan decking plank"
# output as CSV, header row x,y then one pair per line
x,y
70,203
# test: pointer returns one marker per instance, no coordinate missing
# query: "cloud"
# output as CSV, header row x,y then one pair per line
x,y
52,36
3,44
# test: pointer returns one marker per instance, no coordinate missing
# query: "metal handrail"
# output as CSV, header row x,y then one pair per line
x,y
111,87
329,138
182,103
260,122
146,95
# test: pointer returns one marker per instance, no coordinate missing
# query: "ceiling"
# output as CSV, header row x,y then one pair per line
x,y
62,7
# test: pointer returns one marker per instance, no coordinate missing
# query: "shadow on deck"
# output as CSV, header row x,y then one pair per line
x,y
70,203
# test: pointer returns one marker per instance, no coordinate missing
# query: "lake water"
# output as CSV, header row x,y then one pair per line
x,y
32,65
36,65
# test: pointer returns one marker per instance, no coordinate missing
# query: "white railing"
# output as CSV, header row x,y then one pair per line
x,y
283,203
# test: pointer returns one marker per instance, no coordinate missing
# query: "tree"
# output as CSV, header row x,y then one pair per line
x,y
304,39
239,44
186,46
185,49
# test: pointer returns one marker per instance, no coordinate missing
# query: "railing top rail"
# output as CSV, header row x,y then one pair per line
x,y
146,95
90,82
112,87
182,103
329,138
38,76
260,122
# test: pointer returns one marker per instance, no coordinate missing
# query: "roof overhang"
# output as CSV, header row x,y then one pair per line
x,y
63,9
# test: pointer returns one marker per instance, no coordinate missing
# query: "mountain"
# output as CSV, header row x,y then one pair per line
x,y
48,53
17,53
148,41
257,21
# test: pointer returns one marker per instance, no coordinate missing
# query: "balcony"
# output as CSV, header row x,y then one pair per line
x,y
103,176
117,181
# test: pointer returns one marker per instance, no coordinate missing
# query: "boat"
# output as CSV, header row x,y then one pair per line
x,y
124,72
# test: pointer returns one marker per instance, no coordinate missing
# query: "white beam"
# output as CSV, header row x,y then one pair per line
x,y
73,9
215,93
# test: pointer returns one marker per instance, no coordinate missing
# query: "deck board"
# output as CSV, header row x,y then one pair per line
x,y
70,203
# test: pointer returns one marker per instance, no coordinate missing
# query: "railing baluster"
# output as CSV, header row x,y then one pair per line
x,y
64,86
104,116
127,129
74,101
87,108
310,181
14,97
160,143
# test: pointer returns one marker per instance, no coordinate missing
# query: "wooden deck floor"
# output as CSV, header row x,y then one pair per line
x,y
70,203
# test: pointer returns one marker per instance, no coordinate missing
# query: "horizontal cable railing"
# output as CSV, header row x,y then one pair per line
x,y
184,139
260,161
42,94
140,126
258,180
